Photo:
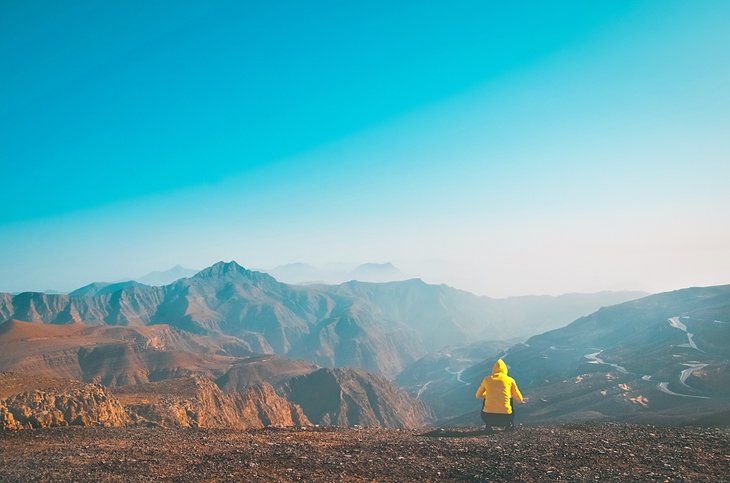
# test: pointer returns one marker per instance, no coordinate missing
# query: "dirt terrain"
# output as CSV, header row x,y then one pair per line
x,y
596,452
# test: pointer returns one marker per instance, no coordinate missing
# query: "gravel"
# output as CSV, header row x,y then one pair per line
x,y
581,452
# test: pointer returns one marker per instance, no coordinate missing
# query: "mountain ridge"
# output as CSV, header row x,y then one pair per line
x,y
377,326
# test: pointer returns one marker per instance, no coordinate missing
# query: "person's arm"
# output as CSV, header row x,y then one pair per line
x,y
482,391
515,393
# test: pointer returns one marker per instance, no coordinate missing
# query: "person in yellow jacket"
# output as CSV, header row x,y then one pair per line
x,y
499,391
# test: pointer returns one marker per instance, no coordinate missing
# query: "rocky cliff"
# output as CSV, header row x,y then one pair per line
x,y
78,405
198,403
186,402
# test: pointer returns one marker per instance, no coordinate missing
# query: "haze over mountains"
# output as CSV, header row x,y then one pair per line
x,y
378,327
163,277
293,273
335,273
331,349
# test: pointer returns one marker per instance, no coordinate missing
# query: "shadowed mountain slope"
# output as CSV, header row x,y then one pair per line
x,y
347,397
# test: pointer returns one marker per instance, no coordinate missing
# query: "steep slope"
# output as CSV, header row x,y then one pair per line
x,y
347,397
662,358
654,336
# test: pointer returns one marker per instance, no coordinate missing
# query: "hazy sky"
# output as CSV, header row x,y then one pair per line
x,y
501,147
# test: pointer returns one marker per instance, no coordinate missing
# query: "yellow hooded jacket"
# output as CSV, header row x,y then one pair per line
x,y
497,389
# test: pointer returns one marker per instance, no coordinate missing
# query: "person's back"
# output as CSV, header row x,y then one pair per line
x,y
498,392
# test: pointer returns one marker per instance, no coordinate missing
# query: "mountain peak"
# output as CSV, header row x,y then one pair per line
x,y
221,267
232,269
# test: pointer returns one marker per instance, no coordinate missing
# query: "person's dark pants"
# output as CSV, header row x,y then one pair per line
x,y
493,419
507,421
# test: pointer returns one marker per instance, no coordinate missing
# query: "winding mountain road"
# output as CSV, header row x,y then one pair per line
x,y
675,322
594,359
458,376
691,365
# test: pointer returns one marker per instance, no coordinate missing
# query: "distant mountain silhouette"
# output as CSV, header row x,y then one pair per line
x,y
376,272
165,277
298,273
102,288
302,273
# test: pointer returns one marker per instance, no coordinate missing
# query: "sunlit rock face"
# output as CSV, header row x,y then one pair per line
x,y
90,405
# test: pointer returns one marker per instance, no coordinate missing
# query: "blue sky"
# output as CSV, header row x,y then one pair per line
x,y
502,147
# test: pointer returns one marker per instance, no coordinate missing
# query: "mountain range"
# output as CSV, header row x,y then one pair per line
x,y
377,327
340,351
231,326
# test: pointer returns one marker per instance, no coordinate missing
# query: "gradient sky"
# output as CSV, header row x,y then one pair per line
x,y
501,147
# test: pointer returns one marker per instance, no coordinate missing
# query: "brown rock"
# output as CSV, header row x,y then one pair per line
x,y
199,403
86,405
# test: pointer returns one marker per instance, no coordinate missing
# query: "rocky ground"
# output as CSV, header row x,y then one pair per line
x,y
600,452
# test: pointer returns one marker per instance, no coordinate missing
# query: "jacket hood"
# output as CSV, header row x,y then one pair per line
x,y
499,367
